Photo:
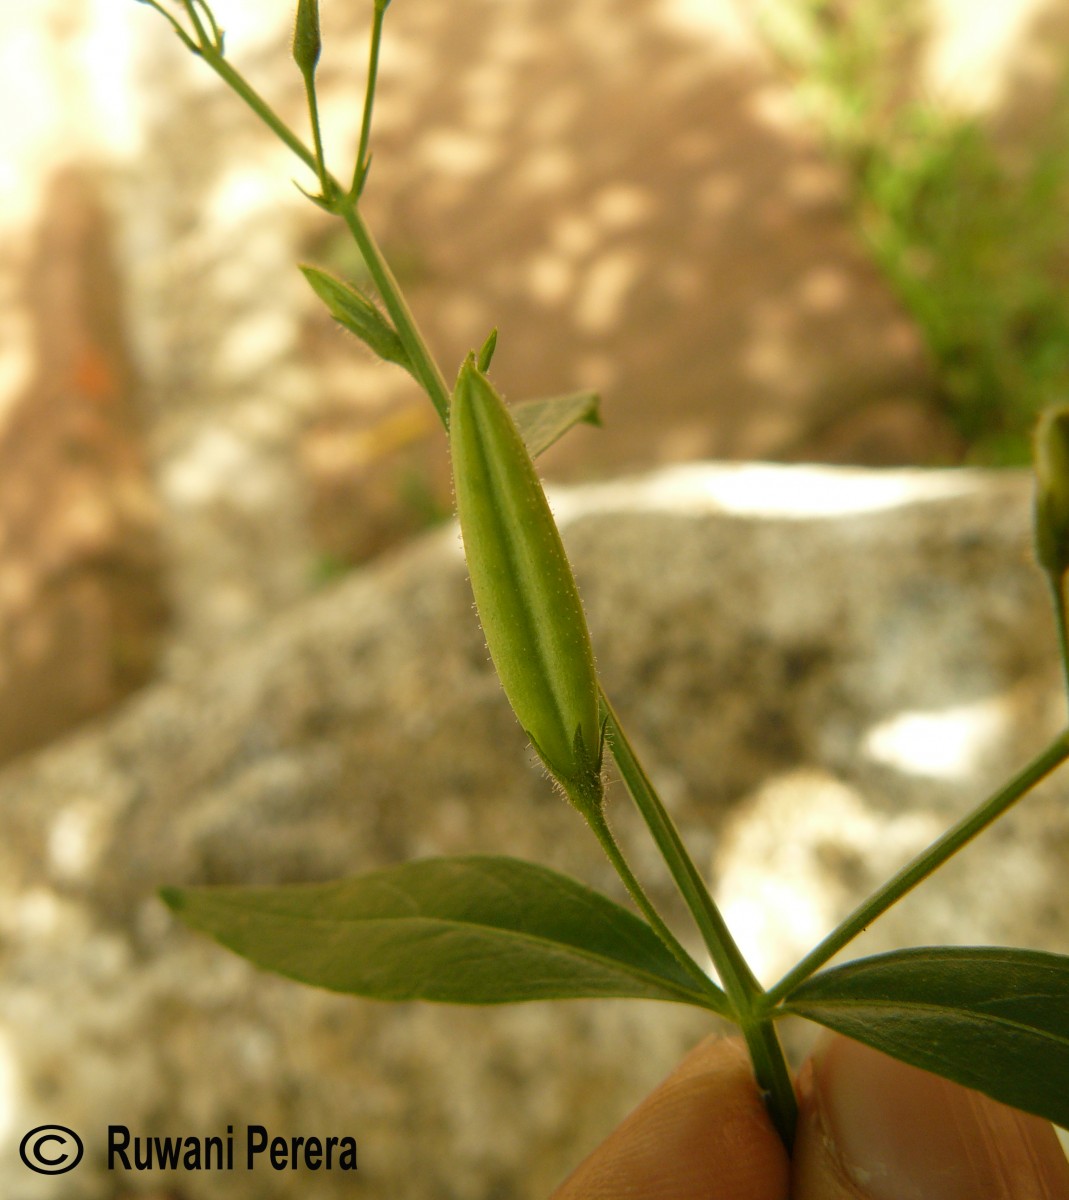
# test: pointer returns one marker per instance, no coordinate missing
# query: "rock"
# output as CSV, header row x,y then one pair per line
x,y
82,607
822,668
685,243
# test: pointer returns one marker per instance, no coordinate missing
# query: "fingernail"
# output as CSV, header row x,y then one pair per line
x,y
900,1133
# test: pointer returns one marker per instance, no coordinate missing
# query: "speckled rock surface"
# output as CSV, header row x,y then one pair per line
x,y
817,694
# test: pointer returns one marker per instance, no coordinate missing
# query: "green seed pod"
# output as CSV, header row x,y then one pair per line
x,y
1052,491
524,588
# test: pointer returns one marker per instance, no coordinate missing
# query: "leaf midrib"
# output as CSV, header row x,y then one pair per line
x,y
569,950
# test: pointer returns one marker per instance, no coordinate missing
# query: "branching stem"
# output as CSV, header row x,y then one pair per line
x,y
744,992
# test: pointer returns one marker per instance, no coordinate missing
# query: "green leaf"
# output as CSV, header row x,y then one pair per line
x,y
992,1019
356,312
475,930
542,422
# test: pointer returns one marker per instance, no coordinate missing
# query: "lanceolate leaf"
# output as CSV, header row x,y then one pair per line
x,y
542,422
993,1019
356,312
476,930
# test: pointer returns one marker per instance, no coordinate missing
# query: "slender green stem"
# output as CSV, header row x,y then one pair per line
x,y
174,23
742,988
202,36
424,365
363,161
615,855
923,865
735,974
237,84
1057,590
770,1070
426,369
317,136
217,33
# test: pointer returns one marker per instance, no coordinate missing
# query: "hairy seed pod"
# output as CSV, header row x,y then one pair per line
x,y
524,589
1051,450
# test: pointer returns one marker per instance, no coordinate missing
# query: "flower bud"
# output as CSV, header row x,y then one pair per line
x,y
307,43
524,589
1051,452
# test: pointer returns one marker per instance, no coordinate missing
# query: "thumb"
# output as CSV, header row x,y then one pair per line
x,y
873,1128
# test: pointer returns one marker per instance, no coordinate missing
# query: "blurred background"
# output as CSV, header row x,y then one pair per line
x,y
798,231
823,230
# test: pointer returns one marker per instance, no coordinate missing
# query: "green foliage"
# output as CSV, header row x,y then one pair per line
x,y
475,930
543,422
353,310
992,1019
493,930
971,229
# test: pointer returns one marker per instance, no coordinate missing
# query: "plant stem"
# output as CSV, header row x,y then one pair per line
x,y
744,996
1057,589
609,844
734,971
742,988
198,26
362,159
922,866
427,370
770,1070
237,84
317,136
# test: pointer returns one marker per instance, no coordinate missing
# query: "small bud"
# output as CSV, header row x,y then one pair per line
x,y
524,589
307,42
486,354
1051,453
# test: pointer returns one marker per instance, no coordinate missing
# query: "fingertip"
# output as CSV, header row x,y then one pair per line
x,y
703,1134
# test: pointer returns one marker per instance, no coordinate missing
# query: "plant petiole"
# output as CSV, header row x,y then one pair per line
x,y
923,865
